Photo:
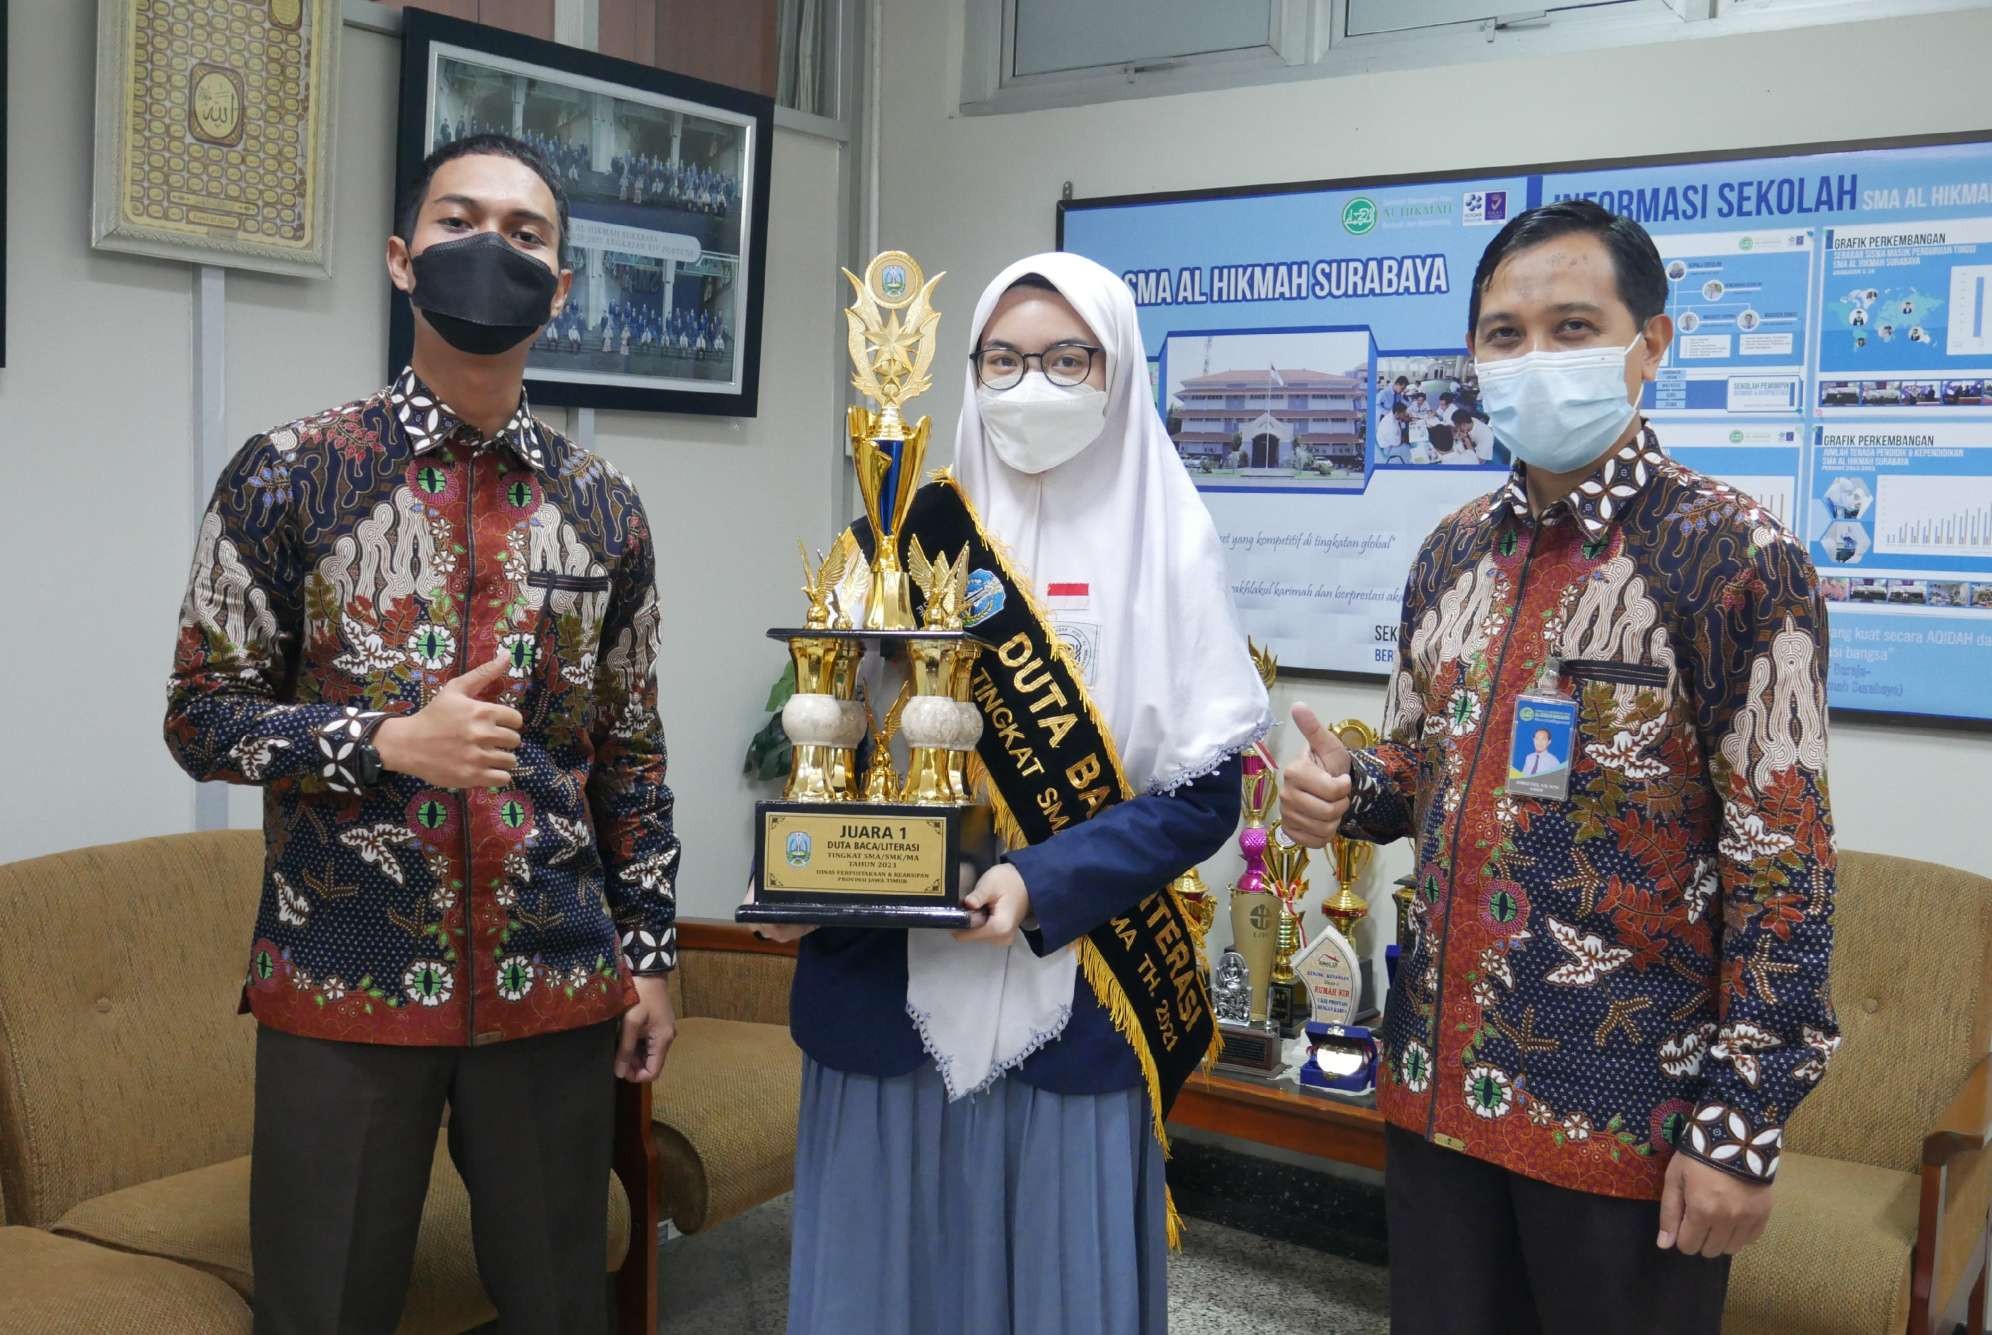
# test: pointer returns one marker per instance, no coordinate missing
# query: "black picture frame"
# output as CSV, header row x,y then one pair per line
x,y
1946,723
669,371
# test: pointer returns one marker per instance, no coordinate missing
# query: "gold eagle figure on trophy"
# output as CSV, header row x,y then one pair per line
x,y
943,586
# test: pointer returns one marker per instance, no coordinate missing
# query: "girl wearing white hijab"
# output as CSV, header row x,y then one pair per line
x,y
977,1152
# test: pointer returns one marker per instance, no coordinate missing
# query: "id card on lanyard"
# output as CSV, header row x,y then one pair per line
x,y
1543,744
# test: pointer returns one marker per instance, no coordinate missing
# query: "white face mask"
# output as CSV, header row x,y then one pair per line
x,y
1036,425
1557,410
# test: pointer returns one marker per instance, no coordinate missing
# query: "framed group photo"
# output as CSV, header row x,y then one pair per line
x,y
666,179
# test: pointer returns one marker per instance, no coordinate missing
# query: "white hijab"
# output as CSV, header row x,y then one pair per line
x,y
1165,660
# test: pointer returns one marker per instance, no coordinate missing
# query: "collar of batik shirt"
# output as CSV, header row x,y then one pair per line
x,y
1599,499
429,423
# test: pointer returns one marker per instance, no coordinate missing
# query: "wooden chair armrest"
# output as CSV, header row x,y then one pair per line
x,y
636,1164
1967,1123
720,934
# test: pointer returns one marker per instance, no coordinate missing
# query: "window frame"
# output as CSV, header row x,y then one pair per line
x,y
1311,41
1501,10
991,50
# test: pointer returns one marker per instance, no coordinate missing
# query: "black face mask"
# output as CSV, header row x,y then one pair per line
x,y
481,295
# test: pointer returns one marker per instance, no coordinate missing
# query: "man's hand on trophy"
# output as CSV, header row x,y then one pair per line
x,y
778,931
1315,786
1000,903
459,739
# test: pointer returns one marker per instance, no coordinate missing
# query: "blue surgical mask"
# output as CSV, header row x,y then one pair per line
x,y
1557,411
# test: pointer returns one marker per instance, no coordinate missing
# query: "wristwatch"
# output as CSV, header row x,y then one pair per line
x,y
345,746
367,761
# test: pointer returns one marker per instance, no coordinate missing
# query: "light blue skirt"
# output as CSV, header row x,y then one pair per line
x,y
1015,1212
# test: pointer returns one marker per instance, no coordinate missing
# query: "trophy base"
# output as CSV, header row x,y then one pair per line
x,y
856,915
1248,1050
864,864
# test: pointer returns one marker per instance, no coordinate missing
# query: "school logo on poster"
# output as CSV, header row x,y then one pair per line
x,y
1359,215
1479,208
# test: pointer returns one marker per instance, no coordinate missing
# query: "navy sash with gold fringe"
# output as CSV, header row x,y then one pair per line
x,y
1051,763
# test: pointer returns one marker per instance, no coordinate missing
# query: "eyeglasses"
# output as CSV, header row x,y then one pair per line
x,y
1063,364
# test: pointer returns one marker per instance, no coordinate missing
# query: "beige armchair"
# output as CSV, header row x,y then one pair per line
x,y
1886,1184
125,1107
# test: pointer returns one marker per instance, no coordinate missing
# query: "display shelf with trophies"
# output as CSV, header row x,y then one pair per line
x,y
1273,983
854,841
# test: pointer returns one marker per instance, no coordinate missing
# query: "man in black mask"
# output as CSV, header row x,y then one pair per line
x,y
426,625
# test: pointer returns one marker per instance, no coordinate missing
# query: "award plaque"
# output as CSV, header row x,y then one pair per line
x,y
1250,1050
853,841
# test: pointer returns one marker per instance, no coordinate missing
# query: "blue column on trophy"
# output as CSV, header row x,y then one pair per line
x,y
893,450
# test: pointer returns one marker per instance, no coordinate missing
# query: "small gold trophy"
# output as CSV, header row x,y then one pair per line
x,y
1345,908
864,845
1201,905
1288,1007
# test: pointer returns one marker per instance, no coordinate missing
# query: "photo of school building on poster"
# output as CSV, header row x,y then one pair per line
x,y
1280,407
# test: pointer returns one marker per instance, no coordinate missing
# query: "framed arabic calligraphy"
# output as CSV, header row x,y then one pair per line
x,y
215,130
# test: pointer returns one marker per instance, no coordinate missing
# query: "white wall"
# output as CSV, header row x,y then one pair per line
x,y
96,456
95,412
969,194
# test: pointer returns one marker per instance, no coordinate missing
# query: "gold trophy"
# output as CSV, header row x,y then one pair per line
x,y
864,845
1200,905
1255,909
1287,1004
1198,902
1345,908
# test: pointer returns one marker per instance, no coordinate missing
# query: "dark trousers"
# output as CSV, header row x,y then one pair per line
x,y
1478,1250
345,1137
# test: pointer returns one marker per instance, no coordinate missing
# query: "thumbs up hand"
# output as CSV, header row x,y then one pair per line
x,y
459,739
1315,786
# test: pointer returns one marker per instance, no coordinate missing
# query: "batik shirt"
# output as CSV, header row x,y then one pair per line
x,y
350,565
1597,981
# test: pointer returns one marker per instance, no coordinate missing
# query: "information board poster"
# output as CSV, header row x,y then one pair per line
x,y
1833,343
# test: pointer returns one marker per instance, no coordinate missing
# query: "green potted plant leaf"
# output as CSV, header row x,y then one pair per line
x,y
768,749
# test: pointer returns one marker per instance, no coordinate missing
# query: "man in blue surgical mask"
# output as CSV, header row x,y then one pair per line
x,y
1616,993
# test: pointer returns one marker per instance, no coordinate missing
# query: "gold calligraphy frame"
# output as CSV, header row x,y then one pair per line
x,y
215,134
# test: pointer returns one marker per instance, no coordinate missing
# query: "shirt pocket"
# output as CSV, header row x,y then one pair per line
x,y
1621,728
1644,675
565,640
